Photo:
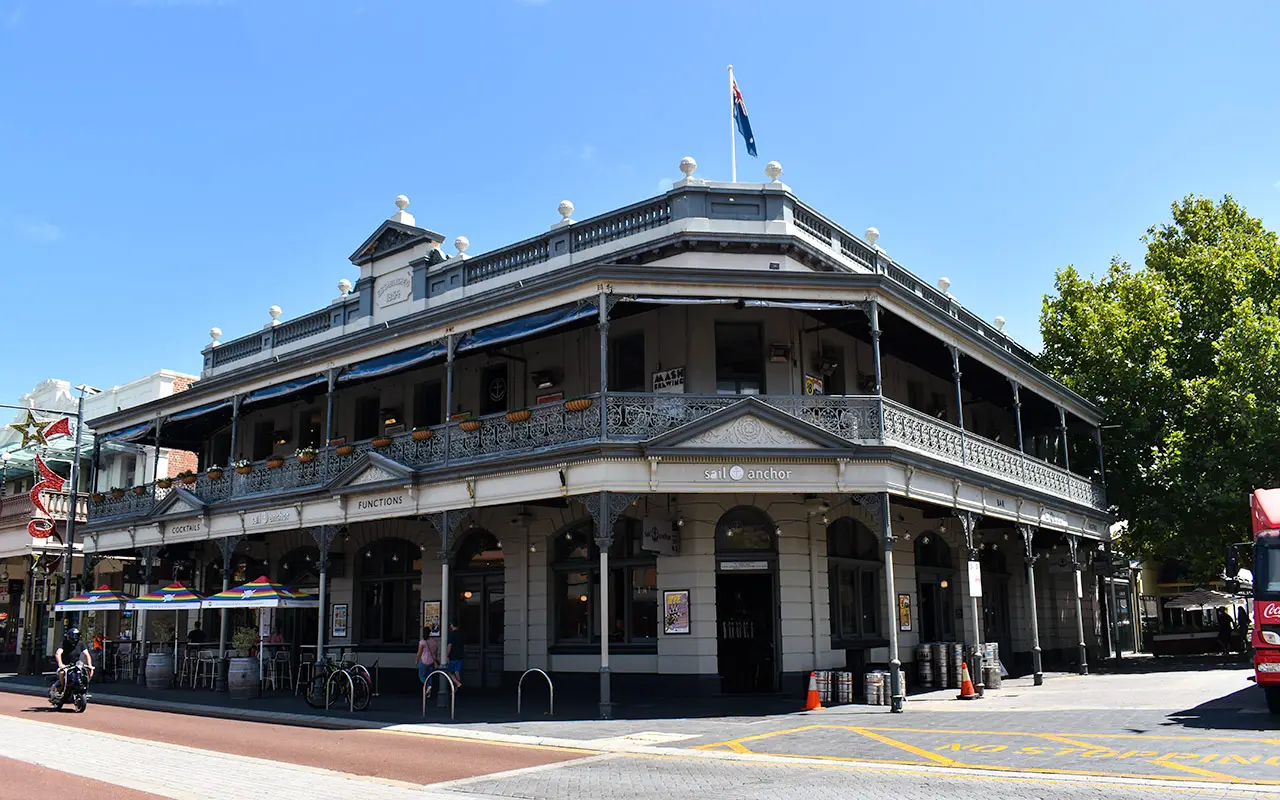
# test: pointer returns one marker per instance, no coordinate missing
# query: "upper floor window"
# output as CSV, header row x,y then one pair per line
x,y
494,389
366,421
428,405
310,428
626,363
739,358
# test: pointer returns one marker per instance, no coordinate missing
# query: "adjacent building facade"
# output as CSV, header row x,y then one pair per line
x,y
707,442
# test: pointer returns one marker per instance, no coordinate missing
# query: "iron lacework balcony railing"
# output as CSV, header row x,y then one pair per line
x,y
629,417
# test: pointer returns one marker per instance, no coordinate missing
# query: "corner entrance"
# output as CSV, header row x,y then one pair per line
x,y
746,602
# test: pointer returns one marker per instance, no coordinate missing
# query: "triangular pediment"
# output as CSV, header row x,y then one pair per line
x,y
749,425
179,503
392,237
370,469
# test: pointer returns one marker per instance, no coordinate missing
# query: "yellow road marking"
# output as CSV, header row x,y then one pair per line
x,y
916,751
767,735
1204,773
1085,735
1053,737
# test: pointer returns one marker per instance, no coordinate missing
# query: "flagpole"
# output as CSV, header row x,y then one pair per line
x,y
733,135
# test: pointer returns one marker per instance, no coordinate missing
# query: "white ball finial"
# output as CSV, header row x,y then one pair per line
x,y
872,236
1000,324
944,284
773,169
402,202
344,287
215,334
565,208
688,165
275,313
462,243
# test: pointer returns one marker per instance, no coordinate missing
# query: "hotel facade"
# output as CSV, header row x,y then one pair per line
x,y
705,443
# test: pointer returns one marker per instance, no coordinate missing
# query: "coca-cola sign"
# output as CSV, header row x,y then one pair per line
x,y
1269,612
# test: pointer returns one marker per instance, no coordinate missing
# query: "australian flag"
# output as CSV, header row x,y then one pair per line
x,y
740,117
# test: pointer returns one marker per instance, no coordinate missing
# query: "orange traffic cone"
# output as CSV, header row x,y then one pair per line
x,y
811,700
966,685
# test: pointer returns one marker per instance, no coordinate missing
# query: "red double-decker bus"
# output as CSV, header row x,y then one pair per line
x,y
1266,593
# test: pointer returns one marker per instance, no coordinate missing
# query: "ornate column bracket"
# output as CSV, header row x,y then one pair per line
x,y
1073,551
323,536
446,524
228,547
148,554
1028,533
877,506
968,523
605,508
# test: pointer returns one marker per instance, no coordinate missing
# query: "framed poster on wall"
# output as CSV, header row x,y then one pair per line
x,y
338,628
675,612
904,612
431,615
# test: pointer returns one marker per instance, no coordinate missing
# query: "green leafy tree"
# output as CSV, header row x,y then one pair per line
x,y
1183,355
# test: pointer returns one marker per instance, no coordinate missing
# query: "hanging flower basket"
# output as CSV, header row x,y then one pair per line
x,y
305,455
243,467
422,434
381,441
187,477
164,483
470,425
345,450
98,497
215,474
579,404
519,416
275,462
139,490
116,494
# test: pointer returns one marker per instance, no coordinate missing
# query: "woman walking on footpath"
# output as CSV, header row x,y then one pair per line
x,y
428,655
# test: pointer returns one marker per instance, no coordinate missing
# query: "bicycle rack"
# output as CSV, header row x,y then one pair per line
x,y
351,690
452,692
377,677
551,710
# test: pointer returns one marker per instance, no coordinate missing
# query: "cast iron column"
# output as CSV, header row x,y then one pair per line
x,y
969,522
880,509
228,547
323,537
1073,549
148,553
605,508
1102,469
1029,554
448,430
603,308
328,419
1115,610
235,428
446,524
155,463
876,363
1062,430
955,373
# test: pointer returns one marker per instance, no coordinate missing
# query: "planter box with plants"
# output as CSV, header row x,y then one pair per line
x,y
243,467
305,455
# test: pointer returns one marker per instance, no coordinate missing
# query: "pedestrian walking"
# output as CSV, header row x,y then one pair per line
x,y
428,656
453,655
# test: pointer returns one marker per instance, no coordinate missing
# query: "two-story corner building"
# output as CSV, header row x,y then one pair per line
x,y
704,443
32,569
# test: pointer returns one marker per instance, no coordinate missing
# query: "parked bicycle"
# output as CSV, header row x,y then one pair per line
x,y
336,682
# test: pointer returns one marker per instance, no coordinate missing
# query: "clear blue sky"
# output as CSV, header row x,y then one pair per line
x,y
170,165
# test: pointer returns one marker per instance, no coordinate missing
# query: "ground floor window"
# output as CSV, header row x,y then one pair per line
x,y
633,588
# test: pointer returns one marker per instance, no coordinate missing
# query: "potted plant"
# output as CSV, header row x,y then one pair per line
x,y
345,450
243,467
519,416
164,483
275,461
470,425
421,434
163,627
139,490
116,492
381,441
578,404
214,473
305,455
187,477
242,671
99,497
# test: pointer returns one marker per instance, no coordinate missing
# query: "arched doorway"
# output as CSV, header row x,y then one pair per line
x,y
479,596
996,625
746,601
935,583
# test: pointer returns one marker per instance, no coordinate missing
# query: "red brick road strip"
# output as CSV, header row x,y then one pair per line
x,y
401,757
22,781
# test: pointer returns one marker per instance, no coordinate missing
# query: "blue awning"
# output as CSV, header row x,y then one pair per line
x,y
199,411
130,434
281,390
683,301
525,327
394,362
800,305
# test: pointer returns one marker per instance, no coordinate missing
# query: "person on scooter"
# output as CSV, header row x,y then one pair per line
x,y
70,653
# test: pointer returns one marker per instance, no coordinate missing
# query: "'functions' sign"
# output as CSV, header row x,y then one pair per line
x,y
739,473
388,501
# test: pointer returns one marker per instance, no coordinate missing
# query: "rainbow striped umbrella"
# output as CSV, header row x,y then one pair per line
x,y
174,597
261,593
104,598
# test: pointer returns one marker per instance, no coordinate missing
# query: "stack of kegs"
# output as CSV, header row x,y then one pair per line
x,y
956,665
834,687
941,665
991,665
876,686
924,663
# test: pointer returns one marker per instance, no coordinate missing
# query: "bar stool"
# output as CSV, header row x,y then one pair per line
x,y
187,672
281,670
206,668
126,669
306,671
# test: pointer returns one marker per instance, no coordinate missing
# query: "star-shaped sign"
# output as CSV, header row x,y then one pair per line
x,y
247,594
27,428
